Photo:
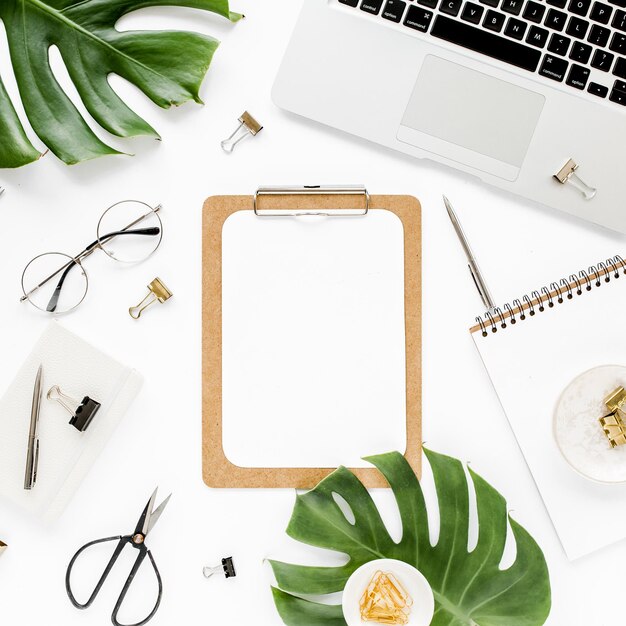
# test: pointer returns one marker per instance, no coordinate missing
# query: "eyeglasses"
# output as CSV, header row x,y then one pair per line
x,y
129,232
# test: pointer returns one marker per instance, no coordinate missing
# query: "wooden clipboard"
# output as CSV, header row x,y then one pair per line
x,y
218,471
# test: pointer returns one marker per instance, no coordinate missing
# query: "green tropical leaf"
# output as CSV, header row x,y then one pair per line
x,y
168,66
469,587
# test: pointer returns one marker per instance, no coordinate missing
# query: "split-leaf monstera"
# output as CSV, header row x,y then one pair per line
x,y
168,66
469,587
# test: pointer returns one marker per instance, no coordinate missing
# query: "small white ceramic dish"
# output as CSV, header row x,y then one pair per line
x,y
411,579
577,431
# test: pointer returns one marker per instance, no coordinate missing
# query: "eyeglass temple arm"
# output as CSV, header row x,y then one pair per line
x,y
56,294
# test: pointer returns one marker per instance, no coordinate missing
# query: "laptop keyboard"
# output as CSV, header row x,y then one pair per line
x,y
580,43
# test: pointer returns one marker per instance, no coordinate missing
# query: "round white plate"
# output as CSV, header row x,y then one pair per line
x,y
577,430
411,579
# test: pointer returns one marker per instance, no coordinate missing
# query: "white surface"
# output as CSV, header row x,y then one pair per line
x,y
531,363
50,206
579,435
313,342
363,76
65,454
412,580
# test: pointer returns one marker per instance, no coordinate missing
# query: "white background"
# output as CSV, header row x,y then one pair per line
x,y
50,206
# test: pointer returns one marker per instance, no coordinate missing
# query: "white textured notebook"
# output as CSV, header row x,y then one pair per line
x,y
569,327
66,455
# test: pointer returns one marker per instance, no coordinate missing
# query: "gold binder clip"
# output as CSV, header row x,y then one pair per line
x,y
248,126
158,292
612,424
567,174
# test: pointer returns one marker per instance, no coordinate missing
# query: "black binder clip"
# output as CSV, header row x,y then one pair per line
x,y
82,413
227,568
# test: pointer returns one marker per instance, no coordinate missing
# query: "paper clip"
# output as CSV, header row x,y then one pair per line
x,y
2,190
227,568
567,174
82,412
247,126
158,292
3,547
612,424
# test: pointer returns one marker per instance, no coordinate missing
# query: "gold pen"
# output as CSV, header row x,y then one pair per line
x,y
479,281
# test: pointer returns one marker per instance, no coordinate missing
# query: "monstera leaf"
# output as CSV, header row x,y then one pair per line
x,y
469,587
167,66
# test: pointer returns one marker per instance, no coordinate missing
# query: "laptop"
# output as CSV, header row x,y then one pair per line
x,y
508,91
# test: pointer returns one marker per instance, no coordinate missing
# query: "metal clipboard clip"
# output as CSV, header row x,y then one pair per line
x,y
283,210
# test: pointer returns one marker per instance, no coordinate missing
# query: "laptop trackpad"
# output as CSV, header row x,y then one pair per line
x,y
471,118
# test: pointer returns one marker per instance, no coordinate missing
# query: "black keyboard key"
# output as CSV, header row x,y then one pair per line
x,y
577,27
515,28
581,52
512,6
553,68
619,20
418,18
487,43
579,7
602,60
557,3
472,13
494,21
618,43
619,3
372,6
578,76
618,93
620,68
394,9
596,89
490,3
559,44
451,7
350,3
431,4
599,35
537,36
601,12
534,12
556,20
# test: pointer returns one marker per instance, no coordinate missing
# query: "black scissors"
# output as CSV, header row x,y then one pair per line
x,y
137,540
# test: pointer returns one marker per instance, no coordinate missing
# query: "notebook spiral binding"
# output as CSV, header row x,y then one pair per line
x,y
548,297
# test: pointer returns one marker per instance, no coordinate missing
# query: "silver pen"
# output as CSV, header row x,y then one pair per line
x,y
479,281
32,454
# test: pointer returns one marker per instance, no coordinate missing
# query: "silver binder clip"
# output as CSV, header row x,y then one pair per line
x,y
82,413
248,126
567,174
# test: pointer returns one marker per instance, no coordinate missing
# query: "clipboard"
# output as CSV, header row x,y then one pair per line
x,y
299,203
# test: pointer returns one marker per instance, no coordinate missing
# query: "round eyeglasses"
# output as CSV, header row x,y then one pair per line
x,y
129,232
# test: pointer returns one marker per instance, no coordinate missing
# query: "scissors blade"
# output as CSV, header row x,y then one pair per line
x,y
150,516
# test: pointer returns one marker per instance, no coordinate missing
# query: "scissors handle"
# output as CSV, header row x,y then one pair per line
x,y
122,541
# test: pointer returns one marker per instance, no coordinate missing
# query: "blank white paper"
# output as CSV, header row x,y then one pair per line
x,y
530,364
313,345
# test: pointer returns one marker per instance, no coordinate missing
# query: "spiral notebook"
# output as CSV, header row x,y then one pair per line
x,y
533,348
